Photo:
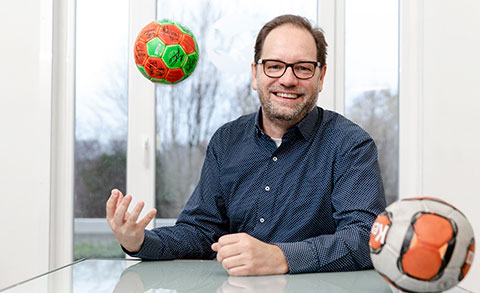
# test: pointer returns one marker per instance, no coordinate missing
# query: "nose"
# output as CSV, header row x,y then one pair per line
x,y
288,79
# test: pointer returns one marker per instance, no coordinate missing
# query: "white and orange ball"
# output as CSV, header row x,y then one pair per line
x,y
422,244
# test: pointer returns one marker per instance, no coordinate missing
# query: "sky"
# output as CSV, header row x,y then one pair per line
x,y
371,46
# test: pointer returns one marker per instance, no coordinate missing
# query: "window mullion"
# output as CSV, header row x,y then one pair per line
x,y
141,117
331,18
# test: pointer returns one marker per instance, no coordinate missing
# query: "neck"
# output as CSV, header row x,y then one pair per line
x,y
276,128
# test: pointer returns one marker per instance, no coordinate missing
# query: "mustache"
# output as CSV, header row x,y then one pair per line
x,y
287,89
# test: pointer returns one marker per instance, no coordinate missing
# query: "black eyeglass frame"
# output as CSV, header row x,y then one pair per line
x,y
315,63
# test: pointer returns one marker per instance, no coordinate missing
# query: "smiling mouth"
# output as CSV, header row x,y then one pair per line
x,y
286,95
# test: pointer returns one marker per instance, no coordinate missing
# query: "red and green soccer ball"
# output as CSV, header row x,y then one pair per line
x,y
166,52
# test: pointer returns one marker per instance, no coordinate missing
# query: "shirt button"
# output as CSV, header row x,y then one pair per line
x,y
267,188
274,159
262,220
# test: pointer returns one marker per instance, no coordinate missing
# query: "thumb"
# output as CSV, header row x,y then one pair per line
x,y
216,246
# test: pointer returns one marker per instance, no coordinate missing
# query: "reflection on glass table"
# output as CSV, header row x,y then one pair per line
x,y
125,275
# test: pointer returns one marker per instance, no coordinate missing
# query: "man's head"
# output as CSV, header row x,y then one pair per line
x,y
300,22
288,90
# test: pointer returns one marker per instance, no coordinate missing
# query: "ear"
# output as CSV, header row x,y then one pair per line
x,y
254,76
322,77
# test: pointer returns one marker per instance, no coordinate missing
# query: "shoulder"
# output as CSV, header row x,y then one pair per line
x,y
233,131
341,130
236,127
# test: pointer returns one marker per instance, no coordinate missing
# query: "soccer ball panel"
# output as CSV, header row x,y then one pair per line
x,y
433,229
148,32
428,268
188,44
190,63
174,56
174,75
155,48
140,53
156,68
170,34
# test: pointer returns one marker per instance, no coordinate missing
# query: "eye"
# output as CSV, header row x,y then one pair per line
x,y
304,67
274,66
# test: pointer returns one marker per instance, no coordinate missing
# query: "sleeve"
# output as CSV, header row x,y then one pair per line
x,y
357,198
201,222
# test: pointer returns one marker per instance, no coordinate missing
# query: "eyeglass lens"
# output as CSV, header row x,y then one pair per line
x,y
277,69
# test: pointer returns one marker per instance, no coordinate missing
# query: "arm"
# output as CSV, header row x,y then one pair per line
x,y
357,198
201,222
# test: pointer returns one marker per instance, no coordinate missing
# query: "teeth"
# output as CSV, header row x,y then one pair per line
x,y
288,96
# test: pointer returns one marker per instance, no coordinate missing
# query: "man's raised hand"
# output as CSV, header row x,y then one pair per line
x,y
129,233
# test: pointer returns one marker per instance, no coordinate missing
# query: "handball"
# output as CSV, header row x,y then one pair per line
x,y
166,52
422,244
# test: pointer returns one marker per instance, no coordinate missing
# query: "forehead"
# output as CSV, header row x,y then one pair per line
x,y
289,43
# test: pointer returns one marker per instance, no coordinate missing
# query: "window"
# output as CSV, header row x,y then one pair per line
x,y
101,121
218,91
371,79
188,113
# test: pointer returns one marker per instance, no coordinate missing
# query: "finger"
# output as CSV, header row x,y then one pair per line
x,y
120,196
227,251
233,262
132,219
111,205
144,222
239,271
215,246
229,239
119,216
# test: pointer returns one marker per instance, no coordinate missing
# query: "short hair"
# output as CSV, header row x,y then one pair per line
x,y
300,22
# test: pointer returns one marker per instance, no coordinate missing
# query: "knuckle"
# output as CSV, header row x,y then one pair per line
x,y
225,265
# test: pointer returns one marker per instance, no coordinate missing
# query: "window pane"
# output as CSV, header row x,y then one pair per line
x,y
371,78
218,91
101,121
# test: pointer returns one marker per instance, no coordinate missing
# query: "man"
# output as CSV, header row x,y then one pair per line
x,y
290,189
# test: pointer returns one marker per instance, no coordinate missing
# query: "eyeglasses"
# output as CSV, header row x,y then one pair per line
x,y
276,68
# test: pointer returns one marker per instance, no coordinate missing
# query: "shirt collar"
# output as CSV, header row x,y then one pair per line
x,y
258,122
310,122
306,126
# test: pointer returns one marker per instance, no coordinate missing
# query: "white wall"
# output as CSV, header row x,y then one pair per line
x,y
25,121
440,102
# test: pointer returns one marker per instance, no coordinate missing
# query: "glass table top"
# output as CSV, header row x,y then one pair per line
x,y
126,275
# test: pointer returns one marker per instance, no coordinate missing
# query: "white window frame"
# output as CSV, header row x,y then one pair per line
x,y
331,18
62,134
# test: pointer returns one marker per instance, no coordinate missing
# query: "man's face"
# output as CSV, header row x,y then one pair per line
x,y
287,98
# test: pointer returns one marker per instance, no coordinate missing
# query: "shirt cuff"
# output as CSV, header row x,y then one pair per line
x,y
301,257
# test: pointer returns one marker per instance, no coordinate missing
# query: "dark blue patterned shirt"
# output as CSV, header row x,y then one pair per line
x,y
315,196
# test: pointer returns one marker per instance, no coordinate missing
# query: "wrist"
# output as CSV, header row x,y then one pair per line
x,y
281,261
133,248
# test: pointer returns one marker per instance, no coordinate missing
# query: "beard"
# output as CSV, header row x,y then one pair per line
x,y
286,112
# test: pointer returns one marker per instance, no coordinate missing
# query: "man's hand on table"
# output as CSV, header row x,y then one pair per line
x,y
243,255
